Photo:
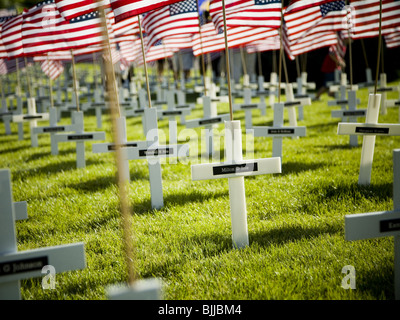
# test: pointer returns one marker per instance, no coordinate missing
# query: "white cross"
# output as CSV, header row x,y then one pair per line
x,y
381,224
32,117
153,152
388,103
209,120
18,265
340,89
111,147
278,131
52,129
145,289
350,114
369,82
370,129
79,137
235,169
302,85
383,90
291,104
247,106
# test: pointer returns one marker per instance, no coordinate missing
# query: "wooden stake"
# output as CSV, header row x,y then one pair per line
x,y
144,63
202,54
379,47
74,80
123,184
227,63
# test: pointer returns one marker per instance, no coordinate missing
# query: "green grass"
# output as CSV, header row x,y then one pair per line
x,y
295,219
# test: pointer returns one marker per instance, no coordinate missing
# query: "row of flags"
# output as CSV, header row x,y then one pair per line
x,y
52,28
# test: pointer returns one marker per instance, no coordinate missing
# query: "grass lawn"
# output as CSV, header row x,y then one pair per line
x,y
295,219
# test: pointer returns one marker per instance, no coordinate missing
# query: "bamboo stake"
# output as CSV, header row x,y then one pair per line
x,y
74,80
144,63
227,63
202,54
50,84
379,47
123,184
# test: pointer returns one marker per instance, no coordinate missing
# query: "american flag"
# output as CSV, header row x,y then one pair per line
x,y
213,41
392,39
3,51
329,16
308,43
11,36
79,32
175,19
296,5
252,13
366,18
124,9
267,44
52,68
70,9
45,30
38,27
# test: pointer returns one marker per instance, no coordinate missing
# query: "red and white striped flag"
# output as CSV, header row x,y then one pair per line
x,y
307,43
366,17
172,20
70,9
251,13
52,68
393,39
308,20
45,30
3,51
124,9
11,37
213,41
267,44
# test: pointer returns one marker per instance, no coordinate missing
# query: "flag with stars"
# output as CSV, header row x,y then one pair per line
x,y
176,19
70,9
251,13
45,30
80,32
366,17
3,51
328,16
124,9
11,37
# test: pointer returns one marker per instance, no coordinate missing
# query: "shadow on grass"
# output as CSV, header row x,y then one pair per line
x,y
176,199
297,167
378,284
281,235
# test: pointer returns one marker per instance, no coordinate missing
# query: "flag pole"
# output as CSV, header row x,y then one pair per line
x,y
28,78
227,63
50,84
123,183
201,48
379,47
74,80
280,56
18,90
144,62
